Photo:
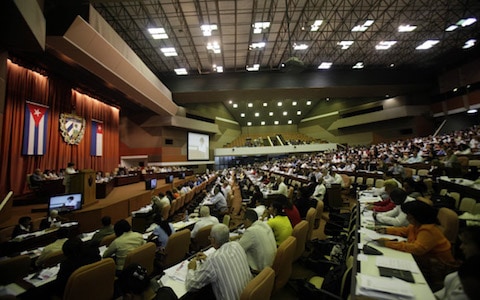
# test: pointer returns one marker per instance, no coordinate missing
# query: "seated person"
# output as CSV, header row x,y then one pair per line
x,y
290,209
159,202
62,236
395,216
258,242
220,203
204,220
161,232
280,224
77,254
36,179
470,277
126,241
24,226
386,204
256,197
107,229
134,281
226,269
304,202
470,246
52,221
425,240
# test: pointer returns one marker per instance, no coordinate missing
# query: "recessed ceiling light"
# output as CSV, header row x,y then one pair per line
x,y
169,51
158,33
235,105
316,25
250,104
265,104
258,45
279,103
309,102
255,67
259,26
214,47
230,101
294,103
207,29
289,121
249,123
358,65
466,22
262,123
406,28
392,65
427,44
363,27
242,115
257,114
455,89
469,44
300,46
325,65
181,71
451,28
276,122
270,113
385,45
299,112
285,113
345,44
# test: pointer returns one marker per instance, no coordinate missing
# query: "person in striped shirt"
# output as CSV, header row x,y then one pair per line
x,y
226,269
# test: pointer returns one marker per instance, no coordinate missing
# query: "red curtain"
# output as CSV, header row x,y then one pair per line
x,y
26,85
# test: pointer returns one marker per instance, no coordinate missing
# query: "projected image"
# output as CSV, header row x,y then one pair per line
x,y
198,146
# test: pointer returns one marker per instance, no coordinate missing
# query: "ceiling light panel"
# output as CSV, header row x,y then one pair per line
x,y
300,46
181,71
364,27
169,51
427,44
253,68
258,27
158,33
316,25
385,45
466,22
325,65
207,29
345,44
406,28
469,44
358,65
257,46
214,47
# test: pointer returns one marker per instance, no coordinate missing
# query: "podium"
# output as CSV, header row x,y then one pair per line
x,y
84,182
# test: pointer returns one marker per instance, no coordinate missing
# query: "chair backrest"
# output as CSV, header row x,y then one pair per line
x,y
93,281
290,193
107,240
334,196
359,180
300,232
474,163
467,204
165,212
346,181
177,247
14,268
260,287
448,220
143,255
422,172
370,181
173,206
282,264
379,183
201,240
346,278
6,233
409,172
476,209
310,218
53,259
226,220
455,196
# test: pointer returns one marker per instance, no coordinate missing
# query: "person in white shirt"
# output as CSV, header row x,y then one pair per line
x,y
320,190
226,188
282,187
395,217
205,220
258,242
66,179
226,269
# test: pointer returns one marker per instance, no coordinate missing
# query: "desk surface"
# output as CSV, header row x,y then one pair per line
x,y
369,263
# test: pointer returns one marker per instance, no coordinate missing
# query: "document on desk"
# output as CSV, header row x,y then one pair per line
x,y
43,277
371,235
383,287
399,264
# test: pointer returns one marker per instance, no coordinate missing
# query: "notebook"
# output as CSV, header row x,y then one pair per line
x,y
401,274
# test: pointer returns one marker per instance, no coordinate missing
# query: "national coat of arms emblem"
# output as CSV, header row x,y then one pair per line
x,y
72,128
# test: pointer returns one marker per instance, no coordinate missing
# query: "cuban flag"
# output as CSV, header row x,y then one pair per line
x,y
96,144
35,129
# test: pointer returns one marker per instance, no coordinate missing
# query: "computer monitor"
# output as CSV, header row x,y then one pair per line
x,y
151,184
169,179
65,203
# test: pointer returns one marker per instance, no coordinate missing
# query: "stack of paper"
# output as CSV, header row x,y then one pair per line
x,y
383,287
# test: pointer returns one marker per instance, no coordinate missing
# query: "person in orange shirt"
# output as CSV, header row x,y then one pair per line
x,y
425,240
